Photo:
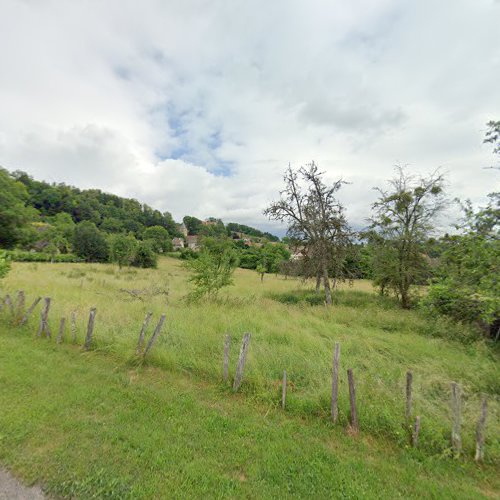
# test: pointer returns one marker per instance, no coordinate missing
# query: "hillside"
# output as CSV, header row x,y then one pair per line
x,y
103,424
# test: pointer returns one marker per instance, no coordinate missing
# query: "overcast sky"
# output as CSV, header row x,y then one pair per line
x,y
197,107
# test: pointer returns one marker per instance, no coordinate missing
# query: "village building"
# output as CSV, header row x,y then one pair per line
x,y
193,242
178,243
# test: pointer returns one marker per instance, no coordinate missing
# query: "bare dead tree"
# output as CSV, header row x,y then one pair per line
x,y
316,223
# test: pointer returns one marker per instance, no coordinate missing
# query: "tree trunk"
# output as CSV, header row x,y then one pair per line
x,y
326,284
318,283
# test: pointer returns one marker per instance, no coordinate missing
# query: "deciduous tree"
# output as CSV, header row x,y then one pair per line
x,y
316,222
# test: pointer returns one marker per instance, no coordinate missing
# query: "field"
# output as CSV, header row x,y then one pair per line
x,y
102,424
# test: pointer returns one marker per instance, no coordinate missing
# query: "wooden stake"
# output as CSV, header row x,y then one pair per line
x,y
44,319
335,383
145,324
409,383
60,335
240,367
481,423
227,345
90,329
416,431
73,327
352,399
30,310
456,407
155,334
8,302
283,391
21,299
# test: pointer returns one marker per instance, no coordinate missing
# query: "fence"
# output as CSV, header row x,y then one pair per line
x,y
19,316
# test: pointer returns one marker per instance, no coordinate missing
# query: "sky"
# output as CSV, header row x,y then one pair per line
x,y
197,107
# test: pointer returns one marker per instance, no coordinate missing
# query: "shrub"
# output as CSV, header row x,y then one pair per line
x,y
4,264
23,256
89,243
145,255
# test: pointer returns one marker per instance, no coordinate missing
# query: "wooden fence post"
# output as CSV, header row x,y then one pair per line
x,y
44,319
335,383
60,335
416,431
352,399
456,407
8,303
227,345
90,329
155,334
283,391
21,299
409,384
480,431
241,362
30,310
73,327
142,333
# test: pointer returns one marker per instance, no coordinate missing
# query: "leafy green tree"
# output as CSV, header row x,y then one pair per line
x,y
193,225
89,243
122,249
4,264
261,270
111,225
213,269
14,214
467,287
160,239
145,256
402,221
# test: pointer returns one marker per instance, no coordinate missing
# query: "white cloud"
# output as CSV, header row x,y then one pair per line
x,y
157,99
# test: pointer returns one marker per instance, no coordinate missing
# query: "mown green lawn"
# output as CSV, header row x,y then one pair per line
x,y
84,423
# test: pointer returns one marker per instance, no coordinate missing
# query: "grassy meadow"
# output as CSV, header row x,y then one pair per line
x,y
102,424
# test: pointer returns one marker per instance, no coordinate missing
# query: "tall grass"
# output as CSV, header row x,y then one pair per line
x,y
378,340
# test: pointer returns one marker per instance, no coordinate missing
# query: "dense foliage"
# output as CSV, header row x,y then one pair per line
x,y
467,285
213,268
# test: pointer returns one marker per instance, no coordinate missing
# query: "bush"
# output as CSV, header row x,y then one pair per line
x,y
4,264
89,243
23,256
145,255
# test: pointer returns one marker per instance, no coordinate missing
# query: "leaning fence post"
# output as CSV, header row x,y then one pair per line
x,y
283,391
227,345
335,383
416,431
352,399
456,407
44,319
8,302
145,324
73,327
155,334
241,362
409,383
480,431
60,335
30,310
90,329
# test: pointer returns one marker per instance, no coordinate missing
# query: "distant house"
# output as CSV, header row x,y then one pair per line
x,y
193,242
178,243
